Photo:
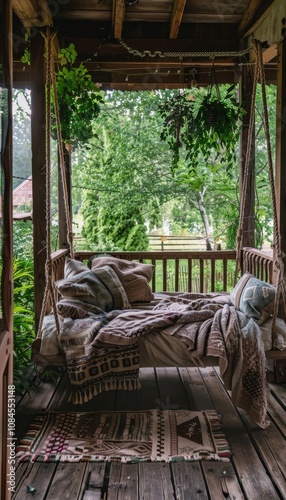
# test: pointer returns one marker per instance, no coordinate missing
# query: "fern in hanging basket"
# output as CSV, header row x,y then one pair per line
x,y
178,115
209,128
217,126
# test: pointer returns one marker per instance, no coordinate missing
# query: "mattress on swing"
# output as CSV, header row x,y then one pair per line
x,y
117,284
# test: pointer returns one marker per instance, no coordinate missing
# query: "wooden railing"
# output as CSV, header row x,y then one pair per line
x,y
258,263
180,271
177,271
201,272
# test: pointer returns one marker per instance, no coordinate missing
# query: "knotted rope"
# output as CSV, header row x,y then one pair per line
x,y
278,262
49,292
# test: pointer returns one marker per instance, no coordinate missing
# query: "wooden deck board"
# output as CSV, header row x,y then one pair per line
x,y
257,469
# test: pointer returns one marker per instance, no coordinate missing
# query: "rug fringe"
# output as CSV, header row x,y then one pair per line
x,y
81,396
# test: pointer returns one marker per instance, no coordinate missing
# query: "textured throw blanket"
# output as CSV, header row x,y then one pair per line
x,y
210,327
102,353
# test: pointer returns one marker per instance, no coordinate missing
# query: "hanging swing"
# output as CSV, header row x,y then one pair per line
x,y
49,293
280,297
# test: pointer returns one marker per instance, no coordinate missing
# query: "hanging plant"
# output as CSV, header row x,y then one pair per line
x,y
78,97
217,126
78,100
205,128
178,117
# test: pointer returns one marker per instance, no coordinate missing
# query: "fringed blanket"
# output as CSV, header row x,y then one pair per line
x,y
209,326
93,370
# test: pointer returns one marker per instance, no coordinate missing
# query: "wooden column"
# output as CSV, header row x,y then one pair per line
x,y
246,83
38,167
281,144
63,240
7,443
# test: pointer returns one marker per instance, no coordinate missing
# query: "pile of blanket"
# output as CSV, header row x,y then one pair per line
x,y
102,353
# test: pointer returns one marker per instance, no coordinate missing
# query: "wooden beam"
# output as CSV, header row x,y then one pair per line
x,y
177,14
38,127
6,324
280,156
33,13
249,15
248,229
270,53
118,11
268,18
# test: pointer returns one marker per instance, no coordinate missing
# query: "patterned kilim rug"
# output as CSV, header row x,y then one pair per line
x,y
150,435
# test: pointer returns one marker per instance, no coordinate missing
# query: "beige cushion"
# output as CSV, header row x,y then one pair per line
x,y
134,276
73,267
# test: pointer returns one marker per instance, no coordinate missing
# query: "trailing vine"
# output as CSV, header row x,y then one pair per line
x,y
78,97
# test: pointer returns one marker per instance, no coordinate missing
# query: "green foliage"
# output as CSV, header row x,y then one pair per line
x,y
23,239
177,112
23,318
202,128
125,173
79,99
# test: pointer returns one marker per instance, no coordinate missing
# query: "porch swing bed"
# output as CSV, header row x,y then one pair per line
x,y
105,323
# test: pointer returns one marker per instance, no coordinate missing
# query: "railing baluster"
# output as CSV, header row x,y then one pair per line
x,y
164,265
201,275
212,274
190,269
177,270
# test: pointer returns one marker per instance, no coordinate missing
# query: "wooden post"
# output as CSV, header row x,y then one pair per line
x,y
7,443
63,240
248,236
38,168
281,144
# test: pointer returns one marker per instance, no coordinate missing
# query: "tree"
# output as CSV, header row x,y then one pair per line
x,y
127,169
22,153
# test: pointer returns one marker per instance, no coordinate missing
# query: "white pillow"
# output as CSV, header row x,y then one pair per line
x,y
49,340
279,341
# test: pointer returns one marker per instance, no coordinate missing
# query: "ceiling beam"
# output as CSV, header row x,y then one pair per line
x,y
118,12
177,14
33,13
248,15
269,53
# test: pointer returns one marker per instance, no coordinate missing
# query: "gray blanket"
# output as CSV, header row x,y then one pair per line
x,y
209,326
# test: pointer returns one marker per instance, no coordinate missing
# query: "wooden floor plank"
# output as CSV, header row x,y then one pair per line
x,y
253,477
257,469
277,413
155,481
149,394
195,389
38,478
188,481
68,481
123,482
271,443
96,473
279,392
172,395
92,495
221,481
37,400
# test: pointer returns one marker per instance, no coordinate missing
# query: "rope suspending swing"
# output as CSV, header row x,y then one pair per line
x,y
259,74
49,291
